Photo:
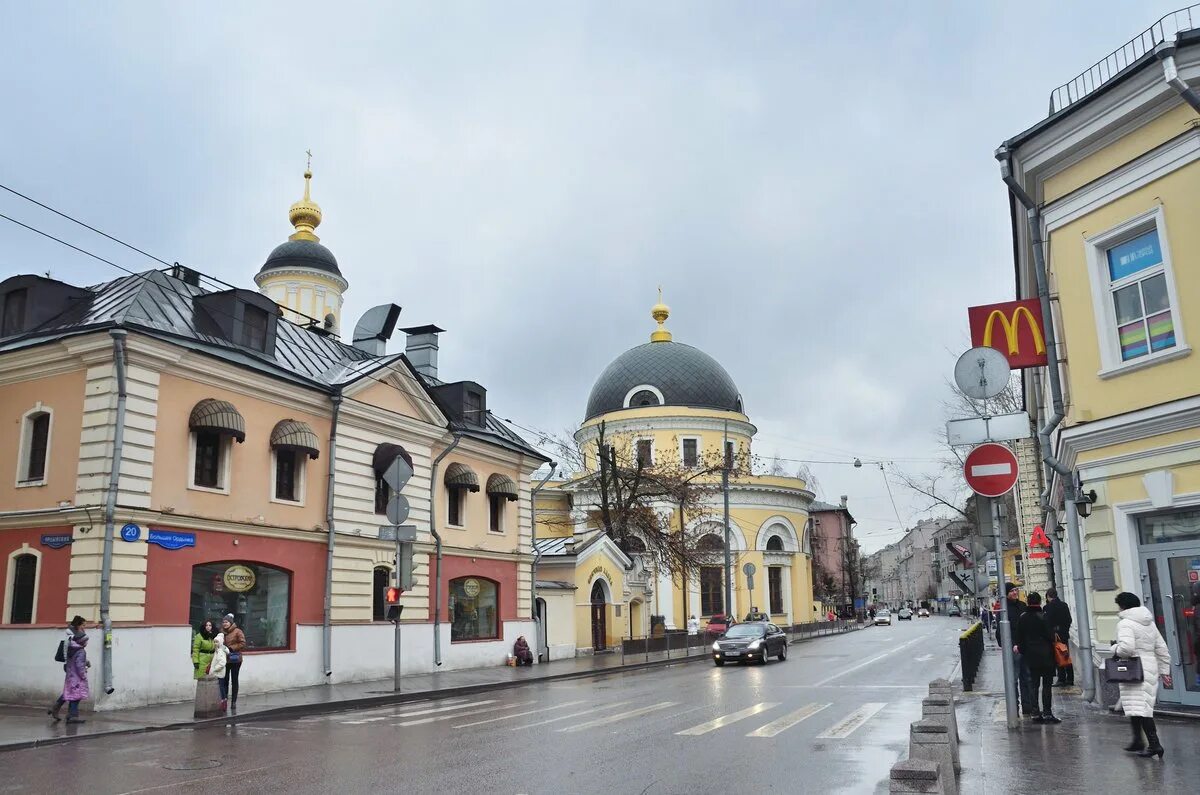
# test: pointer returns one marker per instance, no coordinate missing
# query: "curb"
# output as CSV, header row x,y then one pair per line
x,y
346,705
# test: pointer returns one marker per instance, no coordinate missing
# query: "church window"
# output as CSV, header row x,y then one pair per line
x,y
710,590
644,397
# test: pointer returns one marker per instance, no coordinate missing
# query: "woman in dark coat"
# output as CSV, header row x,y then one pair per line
x,y
522,652
1035,642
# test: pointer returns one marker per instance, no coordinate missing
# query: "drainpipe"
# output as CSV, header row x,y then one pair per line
x,y
1165,52
1052,464
327,619
533,540
110,508
437,538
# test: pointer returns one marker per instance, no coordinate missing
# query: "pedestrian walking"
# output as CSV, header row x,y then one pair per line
x,y
203,648
693,626
1058,616
235,642
1035,640
75,684
1015,609
985,618
1137,636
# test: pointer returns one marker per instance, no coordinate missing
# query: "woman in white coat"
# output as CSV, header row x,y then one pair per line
x,y
1137,635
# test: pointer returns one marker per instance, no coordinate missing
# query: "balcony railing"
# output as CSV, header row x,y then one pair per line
x,y
1123,57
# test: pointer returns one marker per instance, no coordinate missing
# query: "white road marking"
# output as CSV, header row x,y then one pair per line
x,y
842,730
633,713
925,658
787,721
871,661
450,708
517,715
725,720
385,713
435,718
572,715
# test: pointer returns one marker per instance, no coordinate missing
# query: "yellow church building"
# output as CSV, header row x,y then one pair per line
x,y
667,404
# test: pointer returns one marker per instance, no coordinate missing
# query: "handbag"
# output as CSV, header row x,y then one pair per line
x,y
61,654
1062,654
1123,671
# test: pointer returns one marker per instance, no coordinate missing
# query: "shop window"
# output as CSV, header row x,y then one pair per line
x,y
380,581
259,597
23,589
645,452
775,588
455,509
289,475
474,609
210,454
710,590
496,512
690,451
35,443
1169,528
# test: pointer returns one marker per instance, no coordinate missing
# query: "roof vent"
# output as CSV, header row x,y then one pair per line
x,y
421,348
375,328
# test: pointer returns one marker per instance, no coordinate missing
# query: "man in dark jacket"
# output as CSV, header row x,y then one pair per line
x,y
1058,616
1015,610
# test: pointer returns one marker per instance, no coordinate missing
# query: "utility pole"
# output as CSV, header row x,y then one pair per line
x,y
728,556
1006,636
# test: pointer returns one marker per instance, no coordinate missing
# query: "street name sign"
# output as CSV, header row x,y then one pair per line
x,y
991,470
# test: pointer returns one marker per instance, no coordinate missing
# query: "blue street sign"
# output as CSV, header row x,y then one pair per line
x,y
56,541
131,532
168,539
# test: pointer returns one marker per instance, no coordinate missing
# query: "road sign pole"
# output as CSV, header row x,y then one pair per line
x,y
1006,636
396,640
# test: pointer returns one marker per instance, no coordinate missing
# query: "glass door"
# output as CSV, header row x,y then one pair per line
x,y
1173,581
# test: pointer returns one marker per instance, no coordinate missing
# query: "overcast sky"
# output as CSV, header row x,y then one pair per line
x,y
812,184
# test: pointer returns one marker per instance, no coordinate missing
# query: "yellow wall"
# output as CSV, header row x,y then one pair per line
x,y
1092,397
474,533
63,394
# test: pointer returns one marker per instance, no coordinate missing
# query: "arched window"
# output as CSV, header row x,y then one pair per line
x,y
775,544
24,583
259,596
474,609
633,544
643,397
710,543
380,581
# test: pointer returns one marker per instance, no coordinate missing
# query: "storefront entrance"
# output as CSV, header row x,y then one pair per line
x,y
599,629
1170,558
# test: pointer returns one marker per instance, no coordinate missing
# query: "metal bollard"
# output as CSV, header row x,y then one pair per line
x,y
915,775
930,741
941,710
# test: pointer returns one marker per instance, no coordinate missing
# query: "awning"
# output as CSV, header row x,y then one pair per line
x,y
503,486
295,435
218,416
385,454
461,476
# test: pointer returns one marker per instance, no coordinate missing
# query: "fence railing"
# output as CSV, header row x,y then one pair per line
x,y
970,652
678,643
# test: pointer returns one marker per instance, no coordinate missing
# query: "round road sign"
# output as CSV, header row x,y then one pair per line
x,y
991,470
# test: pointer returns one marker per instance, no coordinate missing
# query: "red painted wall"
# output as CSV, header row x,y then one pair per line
x,y
169,573
55,569
502,571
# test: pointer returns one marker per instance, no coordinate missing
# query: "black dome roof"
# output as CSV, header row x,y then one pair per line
x,y
686,376
301,254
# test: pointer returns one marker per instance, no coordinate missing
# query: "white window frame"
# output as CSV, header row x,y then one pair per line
x,y
647,387
23,449
1097,247
11,574
459,493
301,477
226,457
637,442
503,514
695,439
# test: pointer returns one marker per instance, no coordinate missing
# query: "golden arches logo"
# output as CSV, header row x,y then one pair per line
x,y
1010,329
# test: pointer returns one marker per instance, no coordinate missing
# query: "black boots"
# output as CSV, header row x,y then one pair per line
x,y
1138,744
53,711
1155,747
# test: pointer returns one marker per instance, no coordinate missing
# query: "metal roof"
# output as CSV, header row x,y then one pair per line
x,y
685,375
552,546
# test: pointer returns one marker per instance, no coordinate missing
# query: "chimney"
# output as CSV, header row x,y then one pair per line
x,y
421,348
844,498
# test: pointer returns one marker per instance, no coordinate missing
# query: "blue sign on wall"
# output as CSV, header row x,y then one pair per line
x,y
131,532
168,539
56,541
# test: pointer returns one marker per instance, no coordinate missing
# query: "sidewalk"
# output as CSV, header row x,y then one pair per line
x,y
1082,754
23,726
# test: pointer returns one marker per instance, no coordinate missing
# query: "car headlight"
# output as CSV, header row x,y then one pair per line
x,y
755,644
716,646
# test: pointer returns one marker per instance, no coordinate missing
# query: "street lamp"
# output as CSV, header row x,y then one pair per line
x,y
1084,501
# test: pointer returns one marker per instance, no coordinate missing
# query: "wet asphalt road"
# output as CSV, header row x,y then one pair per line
x,y
832,718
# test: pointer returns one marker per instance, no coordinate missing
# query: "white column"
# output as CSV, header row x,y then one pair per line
x,y
666,601
693,598
787,594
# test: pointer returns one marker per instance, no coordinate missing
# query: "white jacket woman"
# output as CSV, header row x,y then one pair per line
x,y
1138,635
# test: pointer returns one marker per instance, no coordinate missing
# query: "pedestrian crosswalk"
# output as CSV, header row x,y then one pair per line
x,y
835,722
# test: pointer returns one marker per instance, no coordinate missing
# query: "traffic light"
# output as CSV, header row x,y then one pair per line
x,y
391,597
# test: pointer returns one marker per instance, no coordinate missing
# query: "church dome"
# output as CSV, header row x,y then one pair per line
x,y
663,373
301,254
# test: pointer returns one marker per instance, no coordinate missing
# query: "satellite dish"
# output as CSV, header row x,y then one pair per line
x,y
982,373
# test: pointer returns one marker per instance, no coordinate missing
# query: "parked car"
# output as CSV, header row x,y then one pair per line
x,y
717,625
905,614
923,613
883,617
753,640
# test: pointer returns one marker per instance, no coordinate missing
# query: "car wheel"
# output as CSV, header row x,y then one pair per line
x,y
783,653
766,654
719,663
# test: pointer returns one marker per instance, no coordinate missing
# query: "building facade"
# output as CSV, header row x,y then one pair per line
x,y
836,572
247,479
667,404
1111,180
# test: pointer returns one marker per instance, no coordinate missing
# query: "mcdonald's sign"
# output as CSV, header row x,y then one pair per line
x,y
1014,328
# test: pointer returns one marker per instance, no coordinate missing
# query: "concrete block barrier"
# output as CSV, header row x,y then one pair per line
x,y
940,709
930,741
208,698
916,775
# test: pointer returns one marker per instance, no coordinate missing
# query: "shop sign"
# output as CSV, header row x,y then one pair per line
x,y
56,541
238,578
1039,544
169,539
471,588
131,532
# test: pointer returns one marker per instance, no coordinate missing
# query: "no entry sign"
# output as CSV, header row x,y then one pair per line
x,y
991,470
